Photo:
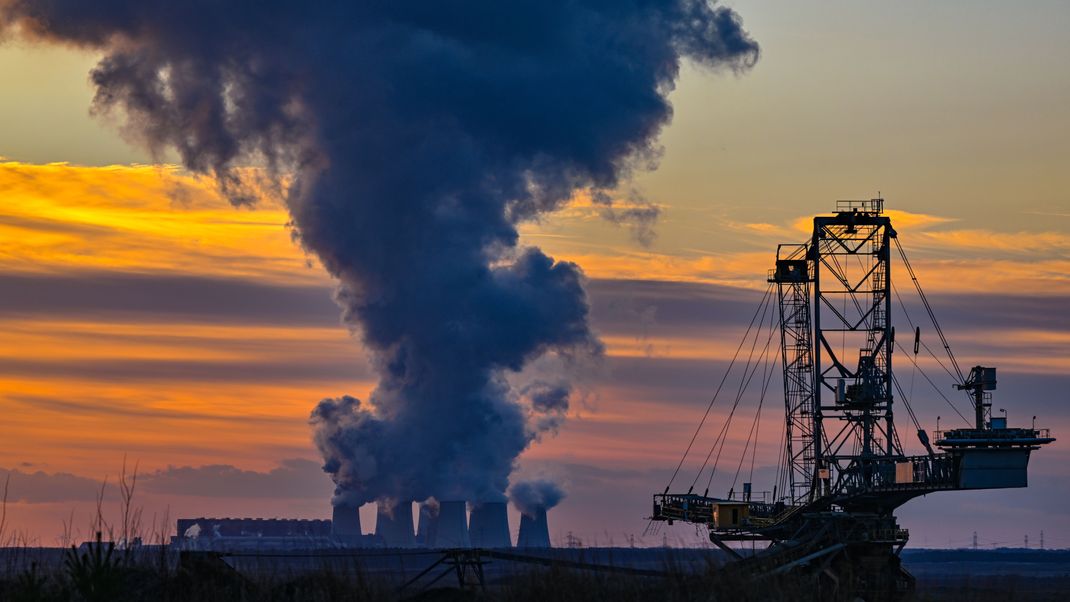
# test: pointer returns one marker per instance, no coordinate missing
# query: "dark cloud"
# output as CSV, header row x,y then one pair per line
x,y
666,379
549,403
40,487
665,309
293,478
133,297
547,397
966,313
679,308
124,408
281,370
421,134
639,215
629,307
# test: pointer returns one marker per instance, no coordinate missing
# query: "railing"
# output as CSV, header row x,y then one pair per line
x,y
754,496
870,206
688,508
1009,435
889,535
904,474
692,508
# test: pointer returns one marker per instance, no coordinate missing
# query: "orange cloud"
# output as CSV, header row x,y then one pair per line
x,y
78,395
946,259
61,217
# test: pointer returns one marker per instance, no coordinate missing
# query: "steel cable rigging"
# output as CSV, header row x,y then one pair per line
x,y
748,375
765,299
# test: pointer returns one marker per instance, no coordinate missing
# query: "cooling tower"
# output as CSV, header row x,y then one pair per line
x,y
427,525
488,526
534,532
452,529
345,521
394,527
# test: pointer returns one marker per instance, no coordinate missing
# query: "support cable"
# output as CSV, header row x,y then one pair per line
x,y
739,395
718,442
752,435
767,295
744,382
935,388
906,402
929,310
754,450
924,345
782,464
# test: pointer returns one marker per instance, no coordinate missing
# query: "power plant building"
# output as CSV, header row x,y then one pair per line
x,y
251,533
442,525
346,521
451,527
488,526
427,525
534,530
394,525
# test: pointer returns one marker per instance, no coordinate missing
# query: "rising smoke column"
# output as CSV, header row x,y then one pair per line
x,y
418,134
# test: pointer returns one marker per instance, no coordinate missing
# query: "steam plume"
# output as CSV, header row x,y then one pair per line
x,y
418,134
531,496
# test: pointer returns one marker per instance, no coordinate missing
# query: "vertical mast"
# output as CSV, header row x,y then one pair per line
x,y
850,252
837,351
793,276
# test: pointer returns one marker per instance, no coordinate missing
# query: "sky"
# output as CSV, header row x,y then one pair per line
x,y
145,319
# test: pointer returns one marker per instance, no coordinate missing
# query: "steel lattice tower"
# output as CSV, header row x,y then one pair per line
x,y
850,255
793,277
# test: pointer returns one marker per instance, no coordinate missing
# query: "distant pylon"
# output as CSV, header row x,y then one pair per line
x,y
1027,540
1042,540
975,540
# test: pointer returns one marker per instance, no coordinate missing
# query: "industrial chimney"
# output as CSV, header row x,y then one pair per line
x,y
452,531
534,532
488,526
427,524
345,522
394,525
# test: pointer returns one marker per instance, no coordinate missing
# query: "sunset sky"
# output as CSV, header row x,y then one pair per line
x,y
146,318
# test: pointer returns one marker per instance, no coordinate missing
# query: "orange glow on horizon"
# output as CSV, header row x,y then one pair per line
x,y
207,392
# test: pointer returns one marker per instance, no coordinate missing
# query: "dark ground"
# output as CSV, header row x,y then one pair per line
x,y
159,575
1005,574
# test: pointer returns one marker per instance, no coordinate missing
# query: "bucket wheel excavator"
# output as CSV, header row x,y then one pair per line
x,y
843,472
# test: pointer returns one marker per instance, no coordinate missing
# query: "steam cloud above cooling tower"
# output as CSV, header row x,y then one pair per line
x,y
418,134
531,496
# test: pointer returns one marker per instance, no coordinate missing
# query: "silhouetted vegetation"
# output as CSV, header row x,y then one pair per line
x,y
102,573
